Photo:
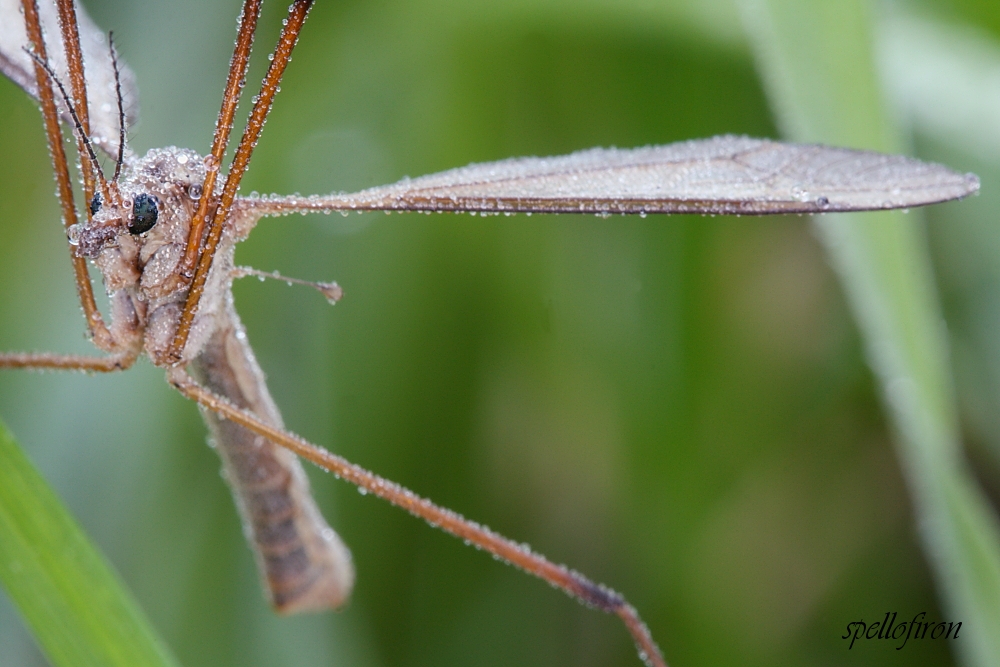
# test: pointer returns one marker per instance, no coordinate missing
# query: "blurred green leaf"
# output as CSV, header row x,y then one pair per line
x,y
885,269
77,608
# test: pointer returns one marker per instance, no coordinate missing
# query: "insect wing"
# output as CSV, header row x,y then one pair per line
x,y
103,103
728,175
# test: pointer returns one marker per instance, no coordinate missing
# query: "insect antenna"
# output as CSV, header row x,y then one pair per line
x,y
121,108
77,125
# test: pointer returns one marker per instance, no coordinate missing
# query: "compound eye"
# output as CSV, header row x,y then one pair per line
x,y
144,213
95,204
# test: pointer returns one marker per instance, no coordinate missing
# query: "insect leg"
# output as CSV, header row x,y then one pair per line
x,y
255,125
223,127
74,64
573,583
95,323
68,362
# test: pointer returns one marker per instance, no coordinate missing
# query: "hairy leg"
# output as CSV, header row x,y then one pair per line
x,y
573,583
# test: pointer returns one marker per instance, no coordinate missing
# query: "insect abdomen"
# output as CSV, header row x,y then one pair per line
x,y
303,562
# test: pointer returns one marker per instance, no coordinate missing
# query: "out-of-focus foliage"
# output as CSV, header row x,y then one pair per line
x,y
679,407
76,606
885,270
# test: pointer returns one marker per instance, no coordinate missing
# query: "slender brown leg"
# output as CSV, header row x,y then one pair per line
x,y
95,323
223,127
255,124
573,583
67,362
78,85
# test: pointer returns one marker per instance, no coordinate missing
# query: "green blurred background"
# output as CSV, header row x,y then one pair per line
x,y
679,407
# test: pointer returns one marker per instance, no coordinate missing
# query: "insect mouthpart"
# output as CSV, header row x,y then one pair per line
x,y
95,204
90,241
144,214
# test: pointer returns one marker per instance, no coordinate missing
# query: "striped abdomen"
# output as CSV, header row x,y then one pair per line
x,y
303,562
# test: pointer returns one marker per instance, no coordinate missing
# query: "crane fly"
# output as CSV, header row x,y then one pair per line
x,y
162,231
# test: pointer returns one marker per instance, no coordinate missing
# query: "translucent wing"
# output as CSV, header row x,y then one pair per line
x,y
103,104
728,175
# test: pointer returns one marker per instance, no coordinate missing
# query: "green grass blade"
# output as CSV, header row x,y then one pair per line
x,y
816,60
72,600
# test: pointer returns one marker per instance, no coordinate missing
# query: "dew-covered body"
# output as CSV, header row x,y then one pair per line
x,y
304,564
